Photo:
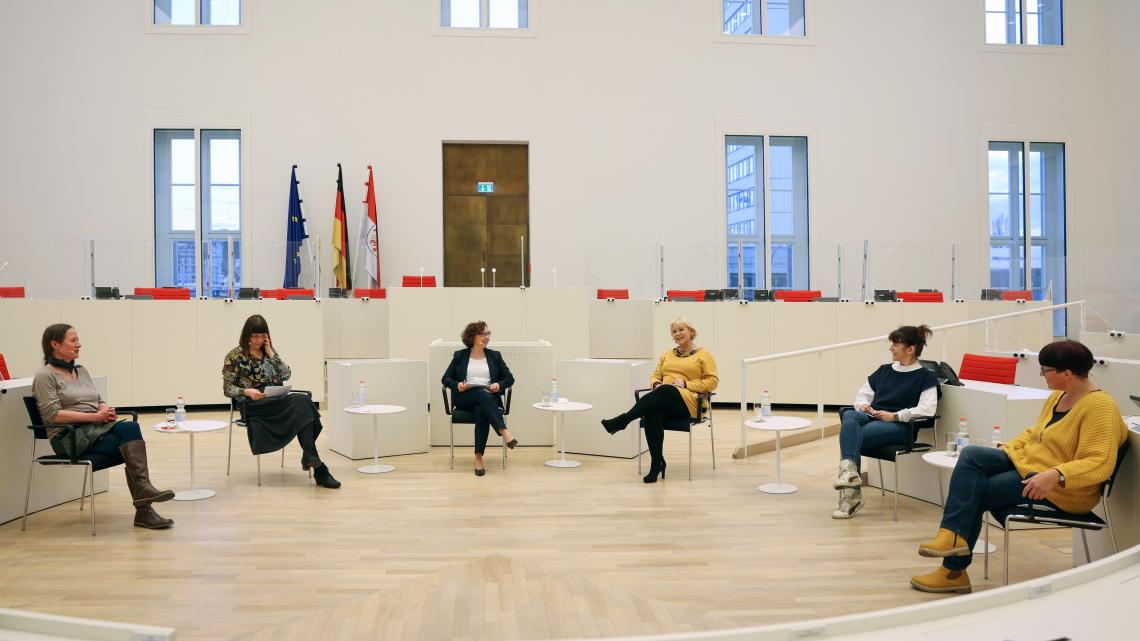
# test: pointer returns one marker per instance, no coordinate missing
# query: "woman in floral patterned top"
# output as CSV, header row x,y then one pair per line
x,y
272,422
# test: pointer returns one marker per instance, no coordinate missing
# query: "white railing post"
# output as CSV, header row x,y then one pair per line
x,y
819,392
743,406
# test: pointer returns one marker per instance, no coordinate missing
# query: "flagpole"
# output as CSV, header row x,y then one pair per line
x,y
360,228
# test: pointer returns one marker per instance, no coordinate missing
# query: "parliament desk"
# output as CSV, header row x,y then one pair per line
x,y
532,365
128,339
388,381
51,485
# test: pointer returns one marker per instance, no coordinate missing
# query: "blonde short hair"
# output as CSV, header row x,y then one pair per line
x,y
681,320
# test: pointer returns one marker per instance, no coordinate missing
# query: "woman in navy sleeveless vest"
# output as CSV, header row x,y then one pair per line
x,y
891,396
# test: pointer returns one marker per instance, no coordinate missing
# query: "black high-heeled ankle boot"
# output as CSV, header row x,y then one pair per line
x,y
655,468
615,424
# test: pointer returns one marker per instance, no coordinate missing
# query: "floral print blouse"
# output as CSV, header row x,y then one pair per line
x,y
240,372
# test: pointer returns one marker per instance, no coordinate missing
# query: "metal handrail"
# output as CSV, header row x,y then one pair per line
x,y
818,351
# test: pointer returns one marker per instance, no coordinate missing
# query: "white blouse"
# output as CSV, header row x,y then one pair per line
x,y
478,373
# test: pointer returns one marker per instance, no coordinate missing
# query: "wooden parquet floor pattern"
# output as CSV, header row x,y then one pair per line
x,y
529,553
493,598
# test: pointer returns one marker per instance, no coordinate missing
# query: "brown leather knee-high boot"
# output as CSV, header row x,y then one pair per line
x,y
138,475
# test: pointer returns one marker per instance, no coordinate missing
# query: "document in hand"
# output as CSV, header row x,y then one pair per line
x,y
277,390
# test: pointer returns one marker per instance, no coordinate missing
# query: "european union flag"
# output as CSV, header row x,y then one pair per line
x,y
295,235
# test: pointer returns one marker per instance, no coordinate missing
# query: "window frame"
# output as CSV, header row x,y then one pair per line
x,y
245,12
766,239
530,31
763,38
197,122
1023,46
1027,138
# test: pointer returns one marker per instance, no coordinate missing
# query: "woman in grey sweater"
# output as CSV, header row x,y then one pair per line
x,y
66,395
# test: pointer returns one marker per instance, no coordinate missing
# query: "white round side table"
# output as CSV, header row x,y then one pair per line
x,y
777,424
944,460
375,411
560,408
191,428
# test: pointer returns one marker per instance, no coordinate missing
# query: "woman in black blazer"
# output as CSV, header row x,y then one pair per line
x,y
477,377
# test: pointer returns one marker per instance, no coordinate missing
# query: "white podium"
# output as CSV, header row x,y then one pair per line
x,y
391,381
531,363
609,385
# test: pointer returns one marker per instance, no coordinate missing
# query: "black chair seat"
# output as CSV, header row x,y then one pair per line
x,y
98,461
462,416
1046,515
888,452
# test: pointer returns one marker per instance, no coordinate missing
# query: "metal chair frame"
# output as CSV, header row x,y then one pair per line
x,y
1040,515
241,423
449,409
685,425
915,424
59,461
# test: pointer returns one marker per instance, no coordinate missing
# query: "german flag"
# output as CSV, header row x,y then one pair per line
x,y
340,235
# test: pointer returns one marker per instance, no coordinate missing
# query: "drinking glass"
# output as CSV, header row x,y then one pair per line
x,y
951,442
545,399
170,416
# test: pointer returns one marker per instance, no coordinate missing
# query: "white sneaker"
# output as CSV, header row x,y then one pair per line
x,y
848,476
850,502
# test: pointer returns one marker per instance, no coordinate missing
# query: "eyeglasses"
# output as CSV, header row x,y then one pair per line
x,y
1047,369
485,332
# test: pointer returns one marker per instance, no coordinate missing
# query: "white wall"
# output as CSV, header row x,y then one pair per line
x,y
624,105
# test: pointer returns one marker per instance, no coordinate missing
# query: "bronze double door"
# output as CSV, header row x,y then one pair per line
x,y
482,229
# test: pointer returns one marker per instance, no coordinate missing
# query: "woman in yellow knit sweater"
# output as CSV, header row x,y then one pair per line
x,y
1060,461
682,373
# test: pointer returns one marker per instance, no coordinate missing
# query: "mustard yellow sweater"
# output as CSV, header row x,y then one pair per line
x,y
697,370
1082,445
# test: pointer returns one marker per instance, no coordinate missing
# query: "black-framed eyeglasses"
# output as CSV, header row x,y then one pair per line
x,y
485,332
1048,369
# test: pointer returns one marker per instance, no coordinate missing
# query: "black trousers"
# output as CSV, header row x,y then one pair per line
x,y
654,409
488,413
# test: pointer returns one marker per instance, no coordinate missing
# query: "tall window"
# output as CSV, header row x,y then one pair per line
x,y
752,233
197,226
1044,267
484,14
197,12
1040,21
768,17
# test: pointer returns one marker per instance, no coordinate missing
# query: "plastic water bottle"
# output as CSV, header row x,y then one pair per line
x,y
360,395
996,438
179,411
554,390
765,405
963,434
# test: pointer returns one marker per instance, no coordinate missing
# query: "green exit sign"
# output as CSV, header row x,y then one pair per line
x,y
485,187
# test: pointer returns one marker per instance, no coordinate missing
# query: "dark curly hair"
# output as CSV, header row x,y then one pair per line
x,y
469,332
912,336
1067,355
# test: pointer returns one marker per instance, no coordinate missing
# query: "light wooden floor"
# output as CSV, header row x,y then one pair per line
x,y
530,553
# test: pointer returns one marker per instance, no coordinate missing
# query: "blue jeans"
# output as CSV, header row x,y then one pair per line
x,y
984,478
108,444
858,430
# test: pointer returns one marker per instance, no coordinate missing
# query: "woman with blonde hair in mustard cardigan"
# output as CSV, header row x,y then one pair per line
x,y
1060,461
682,373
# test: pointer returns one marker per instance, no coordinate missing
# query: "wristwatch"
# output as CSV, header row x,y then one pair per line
x,y
1060,476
